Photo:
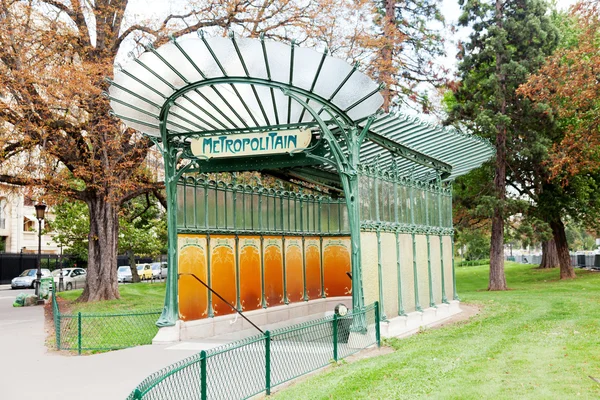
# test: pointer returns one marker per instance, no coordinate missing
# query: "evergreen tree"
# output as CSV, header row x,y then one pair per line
x,y
509,41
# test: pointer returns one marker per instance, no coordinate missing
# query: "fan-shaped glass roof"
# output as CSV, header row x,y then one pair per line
x,y
234,85
199,74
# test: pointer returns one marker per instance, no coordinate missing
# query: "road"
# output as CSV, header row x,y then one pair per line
x,y
29,371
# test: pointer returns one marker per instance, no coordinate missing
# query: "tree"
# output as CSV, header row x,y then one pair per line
x,y
405,47
71,226
568,83
56,130
142,230
510,39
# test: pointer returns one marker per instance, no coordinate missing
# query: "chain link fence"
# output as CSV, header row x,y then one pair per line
x,y
102,331
254,365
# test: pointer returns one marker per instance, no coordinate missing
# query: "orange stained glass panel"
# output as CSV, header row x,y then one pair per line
x,y
336,262
293,269
193,296
222,273
250,273
273,264
312,252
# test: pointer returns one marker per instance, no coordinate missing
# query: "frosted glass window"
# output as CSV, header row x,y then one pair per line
x,y
220,209
292,214
363,198
212,209
299,221
334,218
345,223
190,221
324,211
200,207
372,200
255,211
229,209
180,206
239,210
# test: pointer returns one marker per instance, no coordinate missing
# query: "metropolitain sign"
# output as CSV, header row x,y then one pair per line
x,y
251,144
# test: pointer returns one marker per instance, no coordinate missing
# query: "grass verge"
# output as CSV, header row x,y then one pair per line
x,y
538,340
107,325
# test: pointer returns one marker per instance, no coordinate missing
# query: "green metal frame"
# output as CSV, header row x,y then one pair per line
x,y
346,162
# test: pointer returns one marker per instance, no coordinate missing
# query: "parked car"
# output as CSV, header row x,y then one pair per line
x,y
27,279
73,278
159,270
124,274
144,271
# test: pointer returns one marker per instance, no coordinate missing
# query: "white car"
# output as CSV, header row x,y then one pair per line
x,y
73,278
27,279
124,274
159,270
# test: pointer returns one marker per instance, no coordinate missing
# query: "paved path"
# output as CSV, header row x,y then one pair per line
x,y
29,371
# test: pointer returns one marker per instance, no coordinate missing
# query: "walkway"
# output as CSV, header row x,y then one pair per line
x,y
29,371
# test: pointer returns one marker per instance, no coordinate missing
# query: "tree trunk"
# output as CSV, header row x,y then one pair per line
x,y
549,255
497,277
101,282
562,249
135,277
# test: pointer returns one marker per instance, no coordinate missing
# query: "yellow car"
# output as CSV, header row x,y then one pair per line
x,y
144,271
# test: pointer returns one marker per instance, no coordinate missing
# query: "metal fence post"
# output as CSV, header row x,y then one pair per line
x,y
79,333
335,337
137,395
377,327
203,383
268,362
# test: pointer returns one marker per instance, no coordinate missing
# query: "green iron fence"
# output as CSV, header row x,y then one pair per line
x,y
254,365
102,331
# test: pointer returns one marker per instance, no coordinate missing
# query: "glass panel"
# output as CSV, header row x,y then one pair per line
x,y
450,222
264,215
190,221
334,222
278,224
299,221
345,220
372,200
286,211
363,189
324,208
255,211
229,209
180,206
220,208
248,213
200,207
212,208
292,214
239,210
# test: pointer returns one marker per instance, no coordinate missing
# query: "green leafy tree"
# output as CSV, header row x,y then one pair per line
x,y
510,39
71,227
142,230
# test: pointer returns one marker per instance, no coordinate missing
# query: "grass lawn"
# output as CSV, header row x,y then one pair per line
x,y
129,321
134,297
539,340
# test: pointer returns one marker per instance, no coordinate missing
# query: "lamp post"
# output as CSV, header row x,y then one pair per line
x,y
40,209
60,279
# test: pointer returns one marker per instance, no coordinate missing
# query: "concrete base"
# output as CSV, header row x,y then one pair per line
x,y
409,324
234,327
168,334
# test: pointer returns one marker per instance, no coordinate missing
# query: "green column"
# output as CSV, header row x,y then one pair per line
x,y
170,312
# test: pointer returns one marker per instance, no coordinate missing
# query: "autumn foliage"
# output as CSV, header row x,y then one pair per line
x,y
569,83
